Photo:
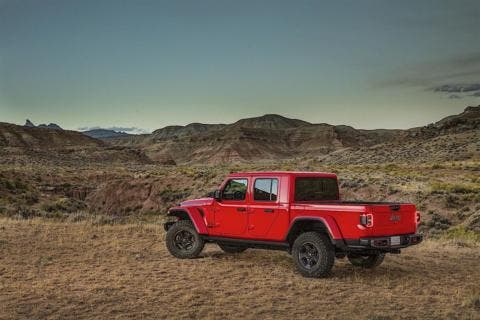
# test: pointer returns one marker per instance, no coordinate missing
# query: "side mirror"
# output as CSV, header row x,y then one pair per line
x,y
217,195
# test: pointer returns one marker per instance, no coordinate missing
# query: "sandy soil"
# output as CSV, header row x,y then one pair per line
x,y
81,271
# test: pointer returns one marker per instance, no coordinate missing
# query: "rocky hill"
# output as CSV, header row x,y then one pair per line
x,y
12,135
267,138
34,145
55,126
274,137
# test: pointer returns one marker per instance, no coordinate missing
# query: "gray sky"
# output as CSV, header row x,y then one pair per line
x,y
147,64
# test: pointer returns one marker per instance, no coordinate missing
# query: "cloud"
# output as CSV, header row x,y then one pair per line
x,y
476,94
131,130
454,96
454,71
457,87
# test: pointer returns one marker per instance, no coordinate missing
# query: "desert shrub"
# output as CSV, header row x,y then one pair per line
x,y
441,188
188,171
451,201
51,215
23,212
79,216
461,233
64,205
392,190
438,222
463,213
151,213
437,166
30,198
391,167
9,185
472,222
105,220
13,186
171,195
472,302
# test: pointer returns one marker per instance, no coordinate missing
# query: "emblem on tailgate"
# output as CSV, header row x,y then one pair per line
x,y
395,217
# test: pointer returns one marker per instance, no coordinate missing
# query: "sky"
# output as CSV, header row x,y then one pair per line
x,y
141,65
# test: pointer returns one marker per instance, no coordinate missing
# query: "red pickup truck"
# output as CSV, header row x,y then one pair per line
x,y
300,212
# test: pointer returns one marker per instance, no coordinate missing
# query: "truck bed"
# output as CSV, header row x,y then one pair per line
x,y
388,218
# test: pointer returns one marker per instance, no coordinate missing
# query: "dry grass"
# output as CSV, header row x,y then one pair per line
x,y
81,271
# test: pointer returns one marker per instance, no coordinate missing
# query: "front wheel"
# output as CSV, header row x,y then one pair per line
x,y
313,254
366,261
183,240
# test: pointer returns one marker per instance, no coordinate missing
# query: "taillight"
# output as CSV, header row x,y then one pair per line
x,y
417,217
366,220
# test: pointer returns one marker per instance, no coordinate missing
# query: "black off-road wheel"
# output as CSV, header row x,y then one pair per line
x,y
313,254
228,248
366,261
183,241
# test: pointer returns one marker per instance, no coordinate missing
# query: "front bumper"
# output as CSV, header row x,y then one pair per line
x,y
385,243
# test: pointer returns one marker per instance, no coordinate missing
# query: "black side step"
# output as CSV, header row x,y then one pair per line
x,y
258,244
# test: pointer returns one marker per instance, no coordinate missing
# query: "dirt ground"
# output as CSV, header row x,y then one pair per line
x,y
82,271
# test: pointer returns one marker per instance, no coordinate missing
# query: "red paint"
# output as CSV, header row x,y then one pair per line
x,y
271,220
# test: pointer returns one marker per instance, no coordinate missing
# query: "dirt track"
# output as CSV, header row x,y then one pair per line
x,y
80,271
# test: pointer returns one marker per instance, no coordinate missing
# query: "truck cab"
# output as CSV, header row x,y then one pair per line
x,y
272,210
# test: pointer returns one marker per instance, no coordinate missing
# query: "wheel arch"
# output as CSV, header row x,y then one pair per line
x,y
193,214
302,224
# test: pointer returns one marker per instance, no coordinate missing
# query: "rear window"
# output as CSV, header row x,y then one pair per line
x,y
265,190
316,189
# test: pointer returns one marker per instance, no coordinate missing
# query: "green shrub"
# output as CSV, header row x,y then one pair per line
x,y
441,187
460,233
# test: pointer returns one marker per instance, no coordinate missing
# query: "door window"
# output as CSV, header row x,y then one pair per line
x,y
235,189
265,190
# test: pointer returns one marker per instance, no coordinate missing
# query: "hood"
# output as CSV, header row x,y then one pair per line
x,y
197,202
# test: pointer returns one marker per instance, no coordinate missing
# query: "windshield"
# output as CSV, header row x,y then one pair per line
x,y
316,189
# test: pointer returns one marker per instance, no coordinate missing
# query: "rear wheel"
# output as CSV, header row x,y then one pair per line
x,y
231,248
183,241
366,261
313,254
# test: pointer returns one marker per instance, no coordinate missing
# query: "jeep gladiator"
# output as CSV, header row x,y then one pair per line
x,y
300,212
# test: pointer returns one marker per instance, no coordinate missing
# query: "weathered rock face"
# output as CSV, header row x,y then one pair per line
x,y
125,196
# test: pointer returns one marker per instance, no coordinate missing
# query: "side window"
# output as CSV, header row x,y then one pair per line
x,y
235,189
265,190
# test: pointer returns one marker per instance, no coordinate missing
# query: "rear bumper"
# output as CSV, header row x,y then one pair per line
x,y
384,243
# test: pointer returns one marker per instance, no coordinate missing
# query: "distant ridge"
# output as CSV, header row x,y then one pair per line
x,y
30,124
269,137
105,133
275,137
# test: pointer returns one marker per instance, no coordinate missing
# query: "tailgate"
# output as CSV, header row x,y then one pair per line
x,y
392,219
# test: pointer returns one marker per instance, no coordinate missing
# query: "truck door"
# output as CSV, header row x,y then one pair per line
x,y
264,207
231,214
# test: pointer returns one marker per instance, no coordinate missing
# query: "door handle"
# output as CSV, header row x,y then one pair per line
x,y
242,209
268,210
